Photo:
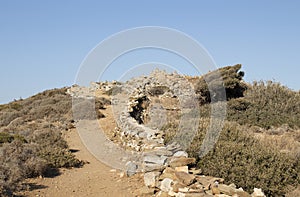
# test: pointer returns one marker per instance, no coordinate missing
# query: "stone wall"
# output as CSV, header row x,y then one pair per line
x,y
166,167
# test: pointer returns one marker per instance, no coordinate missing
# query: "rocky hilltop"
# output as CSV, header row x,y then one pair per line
x,y
210,135
140,105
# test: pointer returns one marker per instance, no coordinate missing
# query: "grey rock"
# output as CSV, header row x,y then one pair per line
x,y
166,185
160,152
155,159
150,178
180,154
131,168
149,167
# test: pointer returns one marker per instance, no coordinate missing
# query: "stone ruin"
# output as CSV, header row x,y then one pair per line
x,y
165,167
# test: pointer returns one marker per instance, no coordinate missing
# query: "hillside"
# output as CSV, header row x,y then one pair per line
x,y
258,145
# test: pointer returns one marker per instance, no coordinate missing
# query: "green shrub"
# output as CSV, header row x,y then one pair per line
x,y
54,149
228,77
17,162
239,158
59,158
8,138
30,138
266,105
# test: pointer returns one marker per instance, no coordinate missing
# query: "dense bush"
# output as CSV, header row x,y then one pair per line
x,y
8,138
228,77
266,105
53,149
241,159
17,162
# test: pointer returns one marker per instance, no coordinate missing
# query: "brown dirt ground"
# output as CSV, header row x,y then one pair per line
x,y
93,179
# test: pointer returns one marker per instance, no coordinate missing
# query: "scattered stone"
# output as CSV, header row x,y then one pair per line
x,y
131,168
122,174
196,191
207,181
149,167
195,171
154,159
168,173
162,194
197,195
241,193
161,152
230,190
215,188
258,193
185,178
172,193
145,191
197,186
181,161
225,189
150,178
180,154
182,169
166,185
177,186
184,189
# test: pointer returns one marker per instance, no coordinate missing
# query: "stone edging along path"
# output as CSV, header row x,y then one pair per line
x,y
165,167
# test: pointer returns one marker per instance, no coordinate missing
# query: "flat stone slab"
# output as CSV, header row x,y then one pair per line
x,y
181,161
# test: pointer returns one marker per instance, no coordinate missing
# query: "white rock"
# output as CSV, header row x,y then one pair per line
x,y
166,185
179,194
155,159
258,193
185,189
172,193
182,169
181,154
150,178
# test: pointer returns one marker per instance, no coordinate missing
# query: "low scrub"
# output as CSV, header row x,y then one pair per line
x,y
18,161
266,104
209,87
241,159
31,143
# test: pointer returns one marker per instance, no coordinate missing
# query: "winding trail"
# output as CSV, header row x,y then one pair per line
x,y
93,179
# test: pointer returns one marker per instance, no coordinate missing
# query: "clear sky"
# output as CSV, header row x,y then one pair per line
x,y
42,43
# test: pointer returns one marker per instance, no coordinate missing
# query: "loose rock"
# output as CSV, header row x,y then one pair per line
x,y
181,161
150,178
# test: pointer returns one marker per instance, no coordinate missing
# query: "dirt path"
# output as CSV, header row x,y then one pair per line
x,y
93,179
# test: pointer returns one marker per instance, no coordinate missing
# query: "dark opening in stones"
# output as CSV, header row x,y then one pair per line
x,y
139,109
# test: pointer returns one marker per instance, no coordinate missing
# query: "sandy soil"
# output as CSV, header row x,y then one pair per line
x,y
93,179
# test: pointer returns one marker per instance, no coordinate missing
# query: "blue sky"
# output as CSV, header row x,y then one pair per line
x,y
42,43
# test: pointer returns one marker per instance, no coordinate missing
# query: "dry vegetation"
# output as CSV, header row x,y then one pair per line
x,y
259,144
31,142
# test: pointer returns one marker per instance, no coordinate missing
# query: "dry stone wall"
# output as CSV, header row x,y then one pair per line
x,y
166,167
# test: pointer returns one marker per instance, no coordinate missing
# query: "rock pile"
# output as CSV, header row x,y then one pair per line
x,y
166,168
